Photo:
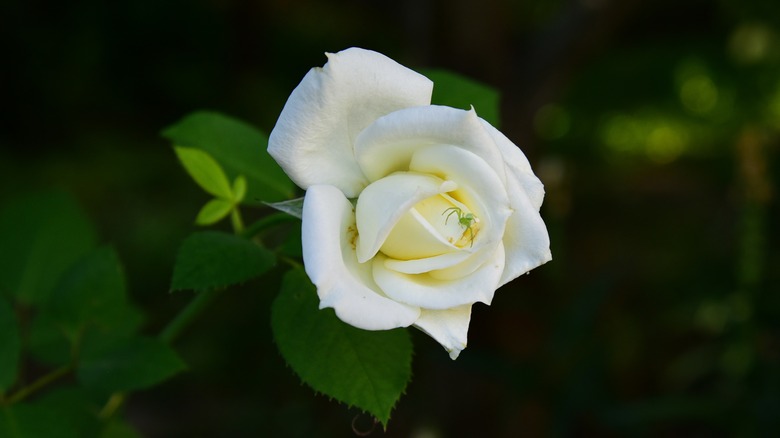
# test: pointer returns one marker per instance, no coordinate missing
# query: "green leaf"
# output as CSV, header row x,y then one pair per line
x,y
128,365
31,420
367,369
214,211
205,171
210,259
458,91
46,341
239,147
78,405
88,308
239,189
10,345
123,323
41,235
91,292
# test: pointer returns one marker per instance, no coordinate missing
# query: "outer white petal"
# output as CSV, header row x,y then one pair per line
x,y
388,144
448,327
384,202
518,166
526,240
314,136
330,261
430,293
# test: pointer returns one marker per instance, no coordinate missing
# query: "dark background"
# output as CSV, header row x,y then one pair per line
x,y
653,124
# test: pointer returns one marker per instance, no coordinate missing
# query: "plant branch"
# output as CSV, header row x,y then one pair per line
x,y
187,315
235,219
267,222
43,381
113,403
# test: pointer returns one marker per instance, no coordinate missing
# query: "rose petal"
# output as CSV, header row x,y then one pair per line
x,y
518,166
331,263
430,293
421,266
526,240
448,327
383,203
450,266
387,145
314,136
466,267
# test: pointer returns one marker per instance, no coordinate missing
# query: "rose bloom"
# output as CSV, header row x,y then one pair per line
x,y
413,212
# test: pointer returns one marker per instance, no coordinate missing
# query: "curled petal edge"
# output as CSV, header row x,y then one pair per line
x,y
313,140
448,327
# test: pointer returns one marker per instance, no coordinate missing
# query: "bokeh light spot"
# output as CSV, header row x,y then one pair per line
x,y
712,316
621,133
658,138
552,122
750,43
773,108
699,94
665,143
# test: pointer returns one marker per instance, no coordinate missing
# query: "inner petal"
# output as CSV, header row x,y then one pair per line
x,y
413,237
420,266
479,187
452,219
390,200
436,225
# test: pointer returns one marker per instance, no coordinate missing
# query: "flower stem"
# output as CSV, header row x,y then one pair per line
x,y
114,402
187,315
235,218
295,264
44,380
169,334
267,222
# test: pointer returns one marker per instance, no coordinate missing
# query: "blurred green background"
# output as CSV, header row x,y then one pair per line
x,y
653,124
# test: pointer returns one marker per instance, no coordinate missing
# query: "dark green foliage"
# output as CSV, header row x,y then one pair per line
x,y
366,369
87,309
76,404
131,364
76,317
210,259
41,236
92,291
47,342
10,345
33,420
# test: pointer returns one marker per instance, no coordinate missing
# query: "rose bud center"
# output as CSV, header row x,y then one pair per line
x,y
434,226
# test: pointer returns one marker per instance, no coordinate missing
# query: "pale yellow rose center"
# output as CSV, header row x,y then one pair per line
x,y
434,226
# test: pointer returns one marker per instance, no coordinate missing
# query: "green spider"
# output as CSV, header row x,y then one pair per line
x,y
466,220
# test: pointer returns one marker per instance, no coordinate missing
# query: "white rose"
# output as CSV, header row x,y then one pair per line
x,y
413,212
